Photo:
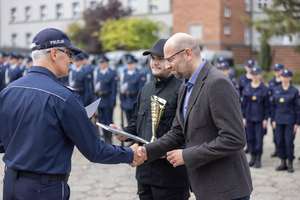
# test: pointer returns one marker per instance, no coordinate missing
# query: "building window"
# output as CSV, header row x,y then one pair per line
x,y
59,11
27,14
260,4
43,13
246,36
133,6
247,6
75,10
257,38
14,40
153,6
13,15
196,31
28,40
93,5
227,12
227,29
287,40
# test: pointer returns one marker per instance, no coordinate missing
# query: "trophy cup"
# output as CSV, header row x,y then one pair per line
x,y
157,109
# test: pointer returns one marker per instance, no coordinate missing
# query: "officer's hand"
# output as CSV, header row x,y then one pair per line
x,y
264,124
244,122
139,155
118,136
274,124
295,128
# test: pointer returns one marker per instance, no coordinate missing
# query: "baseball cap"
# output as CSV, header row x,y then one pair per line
x,y
255,70
12,55
157,48
287,72
278,66
250,63
131,59
224,65
222,59
78,57
103,58
51,37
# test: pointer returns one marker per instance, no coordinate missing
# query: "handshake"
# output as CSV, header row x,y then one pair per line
x,y
140,155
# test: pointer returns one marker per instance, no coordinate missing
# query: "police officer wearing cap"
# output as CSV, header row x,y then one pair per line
x,y
12,71
158,179
277,69
285,108
105,87
131,82
28,65
3,64
256,111
89,95
41,120
224,67
246,78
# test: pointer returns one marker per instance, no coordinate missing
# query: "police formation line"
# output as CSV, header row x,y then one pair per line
x,y
278,99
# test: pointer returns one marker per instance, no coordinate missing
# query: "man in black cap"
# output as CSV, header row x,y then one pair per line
x,y
158,179
12,70
41,120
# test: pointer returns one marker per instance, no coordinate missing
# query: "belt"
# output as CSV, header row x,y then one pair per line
x,y
52,177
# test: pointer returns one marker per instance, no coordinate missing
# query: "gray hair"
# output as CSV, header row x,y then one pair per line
x,y
38,55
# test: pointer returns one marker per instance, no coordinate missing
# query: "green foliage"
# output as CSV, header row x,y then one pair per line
x,y
72,30
264,57
129,34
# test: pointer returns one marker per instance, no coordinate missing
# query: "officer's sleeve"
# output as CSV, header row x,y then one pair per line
x,y
297,103
272,106
267,105
243,104
84,134
114,89
1,147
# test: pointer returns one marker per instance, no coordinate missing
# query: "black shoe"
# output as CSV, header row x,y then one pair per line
x,y
290,166
274,154
251,163
257,163
282,166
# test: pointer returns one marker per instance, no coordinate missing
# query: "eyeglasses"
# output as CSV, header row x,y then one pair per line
x,y
65,51
168,59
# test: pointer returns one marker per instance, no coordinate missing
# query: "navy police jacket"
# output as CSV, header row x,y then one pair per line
x,y
285,105
243,81
255,103
41,120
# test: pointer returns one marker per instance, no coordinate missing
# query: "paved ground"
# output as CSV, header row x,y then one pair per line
x,y
90,181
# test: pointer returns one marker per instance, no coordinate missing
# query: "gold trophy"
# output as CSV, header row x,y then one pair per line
x,y
157,109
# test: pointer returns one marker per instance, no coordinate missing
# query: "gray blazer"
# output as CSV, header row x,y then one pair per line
x,y
214,135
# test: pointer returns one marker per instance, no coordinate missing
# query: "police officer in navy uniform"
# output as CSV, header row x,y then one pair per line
x,y
20,62
277,70
3,65
41,120
256,111
89,95
246,78
105,87
285,107
224,67
28,65
131,82
12,71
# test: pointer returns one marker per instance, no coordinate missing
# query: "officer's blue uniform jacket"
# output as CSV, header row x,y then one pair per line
x,y
273,83
38,132
285,105
135,83
243,81
89,94
13,74
108,89
255,103
80,84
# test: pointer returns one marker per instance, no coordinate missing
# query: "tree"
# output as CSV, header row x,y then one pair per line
x,y
129,34
86,35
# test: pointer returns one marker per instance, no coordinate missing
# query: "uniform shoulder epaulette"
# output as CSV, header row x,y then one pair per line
x,y
68,87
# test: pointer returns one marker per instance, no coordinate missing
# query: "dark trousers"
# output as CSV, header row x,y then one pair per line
x,y
16,187
255,133
128,115
105,117
285,141
151,192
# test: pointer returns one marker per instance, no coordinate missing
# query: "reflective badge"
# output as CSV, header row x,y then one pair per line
x,y
254,98
281,100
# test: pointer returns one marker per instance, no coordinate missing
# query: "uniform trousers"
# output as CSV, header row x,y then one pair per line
x,y
255,133
17,187
129,114
285,141
152,192
105,117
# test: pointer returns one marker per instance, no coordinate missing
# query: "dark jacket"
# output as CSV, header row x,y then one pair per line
x,y
159,172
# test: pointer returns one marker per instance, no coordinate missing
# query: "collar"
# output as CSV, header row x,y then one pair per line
x,y
130,72
13,66
103,71
190,82
163,82
78,68
43,70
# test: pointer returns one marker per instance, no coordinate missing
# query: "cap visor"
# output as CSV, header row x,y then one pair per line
x,y
76,50
155,52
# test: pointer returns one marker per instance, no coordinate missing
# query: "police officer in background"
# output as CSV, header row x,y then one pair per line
x,y
105,87
285,108
28,65
224,67
41,121
277,70
3,65
246,78
221,60
159,179
20,62
89,95
131,82
256,111
12,71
